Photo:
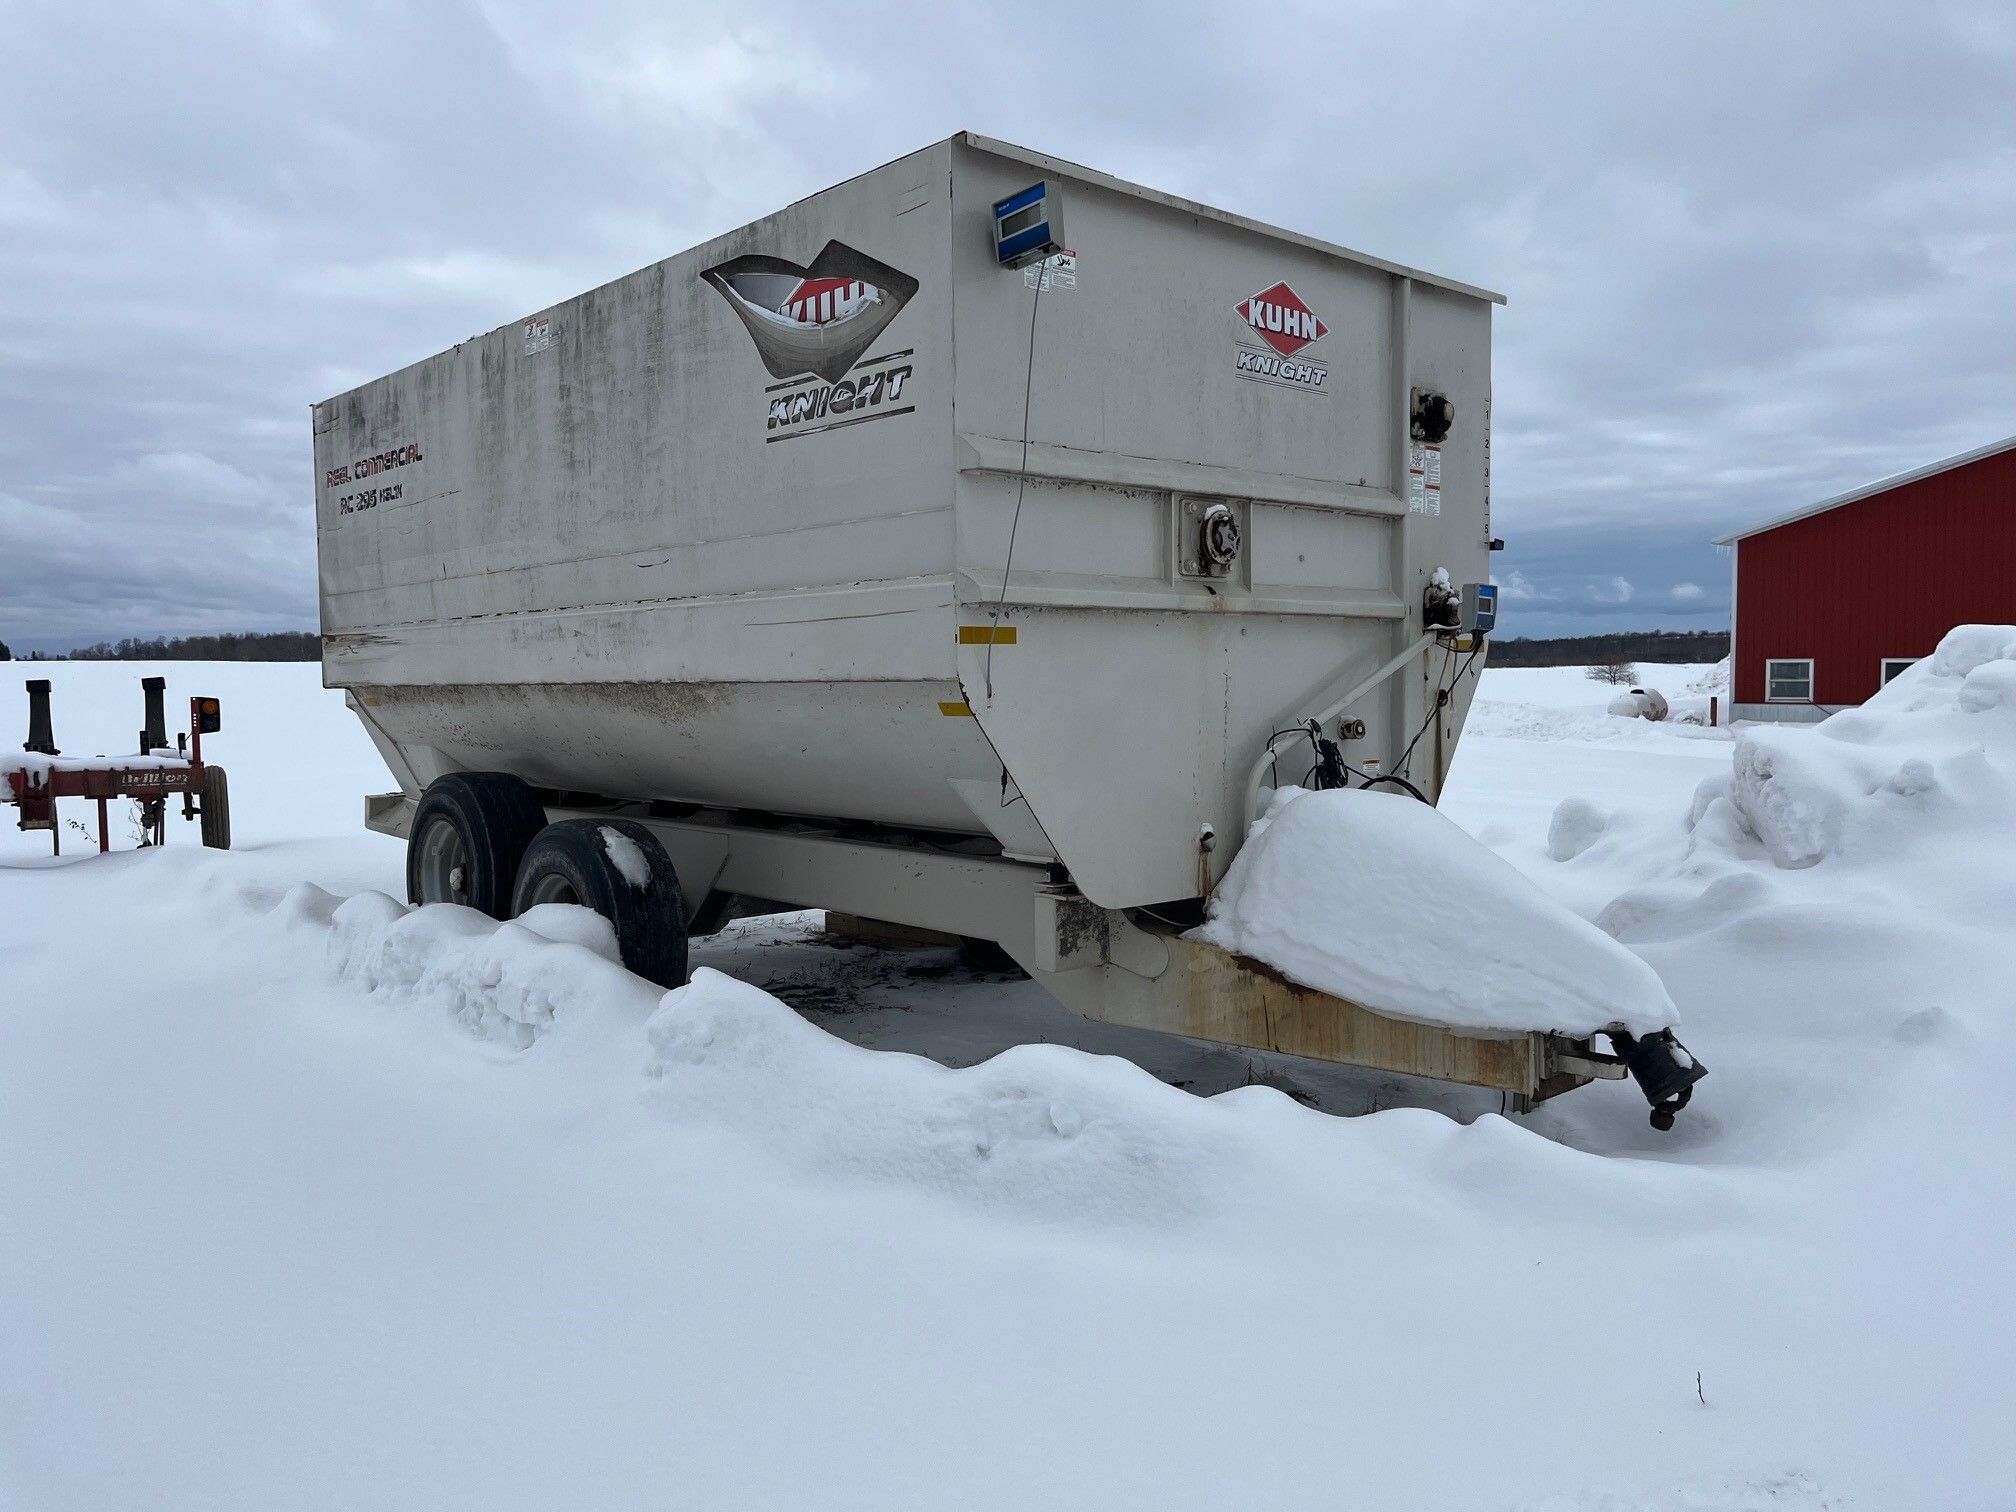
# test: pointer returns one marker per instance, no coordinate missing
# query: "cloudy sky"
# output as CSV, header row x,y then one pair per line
x,y
1757,253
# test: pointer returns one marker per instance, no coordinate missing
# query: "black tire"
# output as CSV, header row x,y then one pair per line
x,y
469,834
571,862
213,802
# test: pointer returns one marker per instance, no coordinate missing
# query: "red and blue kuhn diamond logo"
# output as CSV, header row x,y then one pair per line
x,y
815,320
1280,319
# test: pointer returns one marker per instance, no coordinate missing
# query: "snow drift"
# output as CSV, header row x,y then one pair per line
x,y
507,982
289,1239
1042,1131
1577,824
1378,898
1046,1132
1853,879
1562,703
1933,753
1037,1134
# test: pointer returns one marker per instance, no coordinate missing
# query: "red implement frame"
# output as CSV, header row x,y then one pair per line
x,y
104,780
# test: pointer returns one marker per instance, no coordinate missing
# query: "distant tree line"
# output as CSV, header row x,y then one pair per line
x,y
1622,648
258,645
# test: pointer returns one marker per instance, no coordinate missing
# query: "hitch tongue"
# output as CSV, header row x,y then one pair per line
x,y
1664,1070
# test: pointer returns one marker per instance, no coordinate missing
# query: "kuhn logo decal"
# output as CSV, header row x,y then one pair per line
x,y
812,327
1279,318
814,321
829,301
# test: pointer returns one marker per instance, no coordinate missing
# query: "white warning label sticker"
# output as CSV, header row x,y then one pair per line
x,y
1057,271
1424,479
538,334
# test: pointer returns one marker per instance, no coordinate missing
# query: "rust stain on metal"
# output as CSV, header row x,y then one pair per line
x,y
1239,1001
1081,925
491,717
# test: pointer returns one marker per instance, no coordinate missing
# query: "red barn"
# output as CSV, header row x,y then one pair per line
x,y
1833,600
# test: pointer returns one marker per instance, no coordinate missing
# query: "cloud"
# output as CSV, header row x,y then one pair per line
x,y
206,228
730,81
1615,591
1687,593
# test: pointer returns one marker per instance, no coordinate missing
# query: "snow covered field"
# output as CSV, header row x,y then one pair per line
x,y
313,1203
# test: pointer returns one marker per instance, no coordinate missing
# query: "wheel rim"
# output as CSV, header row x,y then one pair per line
x,y
444,864
550,888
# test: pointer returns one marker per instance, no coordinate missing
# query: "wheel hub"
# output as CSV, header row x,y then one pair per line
x,y
444,864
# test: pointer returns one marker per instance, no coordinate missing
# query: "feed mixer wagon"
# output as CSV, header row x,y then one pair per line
x,y
971,547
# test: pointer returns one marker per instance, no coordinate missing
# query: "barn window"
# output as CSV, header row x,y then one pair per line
x,y
1789,681
1892,665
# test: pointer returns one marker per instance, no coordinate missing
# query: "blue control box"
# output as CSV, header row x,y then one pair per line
x,y
1028,225
1480,607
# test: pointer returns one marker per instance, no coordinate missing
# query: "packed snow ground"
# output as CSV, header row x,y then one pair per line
x,y
308,1200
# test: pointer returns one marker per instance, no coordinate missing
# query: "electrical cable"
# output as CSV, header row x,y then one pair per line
x,y
1159,918
1402,767
1329,769
1390,777
1021,475
1274,757
1434,708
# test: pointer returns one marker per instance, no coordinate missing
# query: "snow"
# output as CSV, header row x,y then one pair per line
x,y
1967,648
1577,824
503,981
627,856
38,767
315,1201
1548,703
1914,770
1639,703
1037,1134
1378,898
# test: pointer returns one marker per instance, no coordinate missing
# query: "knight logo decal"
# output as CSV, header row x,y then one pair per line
x,y
1278,325
812,326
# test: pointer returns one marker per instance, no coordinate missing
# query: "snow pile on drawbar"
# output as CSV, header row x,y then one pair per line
x,y
1377,898
1931,758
